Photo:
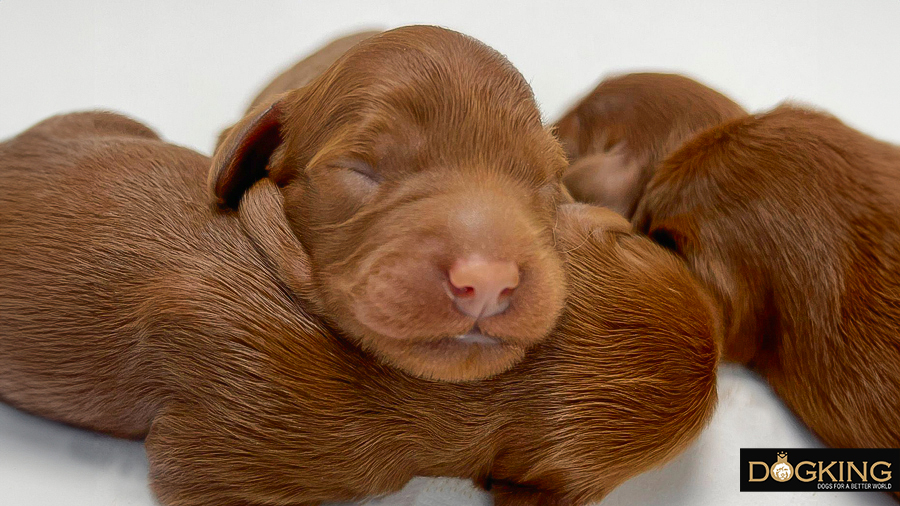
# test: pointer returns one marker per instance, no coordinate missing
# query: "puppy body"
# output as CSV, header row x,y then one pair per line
x,y
617,135
129,305
92,219
793,220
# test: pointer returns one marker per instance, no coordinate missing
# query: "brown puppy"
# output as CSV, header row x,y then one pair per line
x,y
129,305
419,179
793,220
616,136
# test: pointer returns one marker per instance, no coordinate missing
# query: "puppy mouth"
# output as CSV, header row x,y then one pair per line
x,y
471,337
475,336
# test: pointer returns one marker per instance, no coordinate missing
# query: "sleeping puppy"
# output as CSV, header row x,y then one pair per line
x,y
615,137
130,305
419,179
792,219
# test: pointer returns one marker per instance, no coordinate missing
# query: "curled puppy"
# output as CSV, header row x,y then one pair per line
x,y
793,220
616,136
419,179
130,305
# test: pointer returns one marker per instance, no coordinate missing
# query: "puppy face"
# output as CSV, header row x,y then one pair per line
x,y
616,136
419,179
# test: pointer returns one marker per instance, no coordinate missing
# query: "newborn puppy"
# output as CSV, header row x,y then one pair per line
x,y
793,220
419,180
616,136
129,305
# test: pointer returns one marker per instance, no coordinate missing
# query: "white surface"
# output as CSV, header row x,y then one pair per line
x,y
46,464
189,68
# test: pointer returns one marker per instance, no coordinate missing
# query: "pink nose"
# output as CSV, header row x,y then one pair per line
x,y
481,288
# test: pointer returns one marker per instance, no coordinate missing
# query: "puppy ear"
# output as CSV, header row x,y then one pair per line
x,y
614,178
242,156
578,222
262,215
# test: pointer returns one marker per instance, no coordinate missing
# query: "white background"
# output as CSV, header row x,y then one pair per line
x,y
189,68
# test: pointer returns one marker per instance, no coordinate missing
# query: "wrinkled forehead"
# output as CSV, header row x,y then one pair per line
x,y
452,133
444,99
452,124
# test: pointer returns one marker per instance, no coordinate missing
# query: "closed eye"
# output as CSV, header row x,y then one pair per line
x,y
360,167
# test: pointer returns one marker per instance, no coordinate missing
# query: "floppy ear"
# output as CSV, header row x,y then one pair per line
x,y
262,216
577,222
613,179
242,157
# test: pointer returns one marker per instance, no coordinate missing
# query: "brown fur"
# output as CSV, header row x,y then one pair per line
x,y
129,305
793,220
418,148
617,135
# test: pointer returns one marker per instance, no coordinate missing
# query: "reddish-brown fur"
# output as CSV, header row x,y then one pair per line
x,y
129,305
617,135
418,148
793,221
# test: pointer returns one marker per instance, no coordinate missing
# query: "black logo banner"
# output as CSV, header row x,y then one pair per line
x,y
820,469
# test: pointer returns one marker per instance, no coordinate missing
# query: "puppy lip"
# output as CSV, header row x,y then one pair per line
x,y
471,337
474,336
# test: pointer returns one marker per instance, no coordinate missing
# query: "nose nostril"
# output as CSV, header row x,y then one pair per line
x,y
507,292
462,291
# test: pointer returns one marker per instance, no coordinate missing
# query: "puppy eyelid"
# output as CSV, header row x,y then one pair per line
x,y
360,167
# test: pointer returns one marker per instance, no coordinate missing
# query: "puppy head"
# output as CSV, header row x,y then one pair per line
x,y
616,136
418,178
755,208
